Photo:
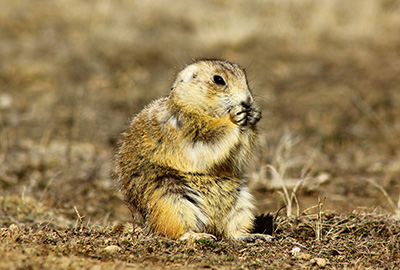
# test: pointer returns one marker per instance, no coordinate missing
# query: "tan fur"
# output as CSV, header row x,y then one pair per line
x,y
181,162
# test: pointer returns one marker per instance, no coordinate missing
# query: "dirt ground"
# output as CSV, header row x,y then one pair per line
x,y
326,74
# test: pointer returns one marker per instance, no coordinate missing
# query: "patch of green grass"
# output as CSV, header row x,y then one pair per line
x,y
206,243
229,259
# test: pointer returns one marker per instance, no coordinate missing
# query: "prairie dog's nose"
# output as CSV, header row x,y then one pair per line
x,y
247,103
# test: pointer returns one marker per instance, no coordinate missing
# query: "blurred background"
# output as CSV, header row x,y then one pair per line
x,y
72,74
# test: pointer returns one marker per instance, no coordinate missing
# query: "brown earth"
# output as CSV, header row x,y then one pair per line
x,y
326,74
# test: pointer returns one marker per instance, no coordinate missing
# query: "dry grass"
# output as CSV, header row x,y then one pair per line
x,y
324,72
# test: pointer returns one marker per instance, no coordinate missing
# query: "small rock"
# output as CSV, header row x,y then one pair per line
x,y
112,249
14,232
321,262
295,250
5,101
302,256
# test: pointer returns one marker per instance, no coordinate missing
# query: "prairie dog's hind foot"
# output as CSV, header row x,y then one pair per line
x,y
251,237
191,236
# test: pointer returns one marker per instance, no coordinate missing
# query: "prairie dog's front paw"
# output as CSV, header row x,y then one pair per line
x,y
254,115
238,115
245,117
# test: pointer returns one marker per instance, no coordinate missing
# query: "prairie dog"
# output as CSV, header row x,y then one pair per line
x,y
181,163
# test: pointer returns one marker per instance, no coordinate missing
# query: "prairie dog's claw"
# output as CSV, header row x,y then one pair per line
x,y
244,117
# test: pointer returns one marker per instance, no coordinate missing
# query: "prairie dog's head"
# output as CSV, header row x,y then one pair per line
x,y
213,87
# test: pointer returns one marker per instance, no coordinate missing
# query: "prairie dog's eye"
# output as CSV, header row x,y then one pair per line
x,y
219,80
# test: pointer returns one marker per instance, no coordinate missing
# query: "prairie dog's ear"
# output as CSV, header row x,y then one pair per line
x,y
189,73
